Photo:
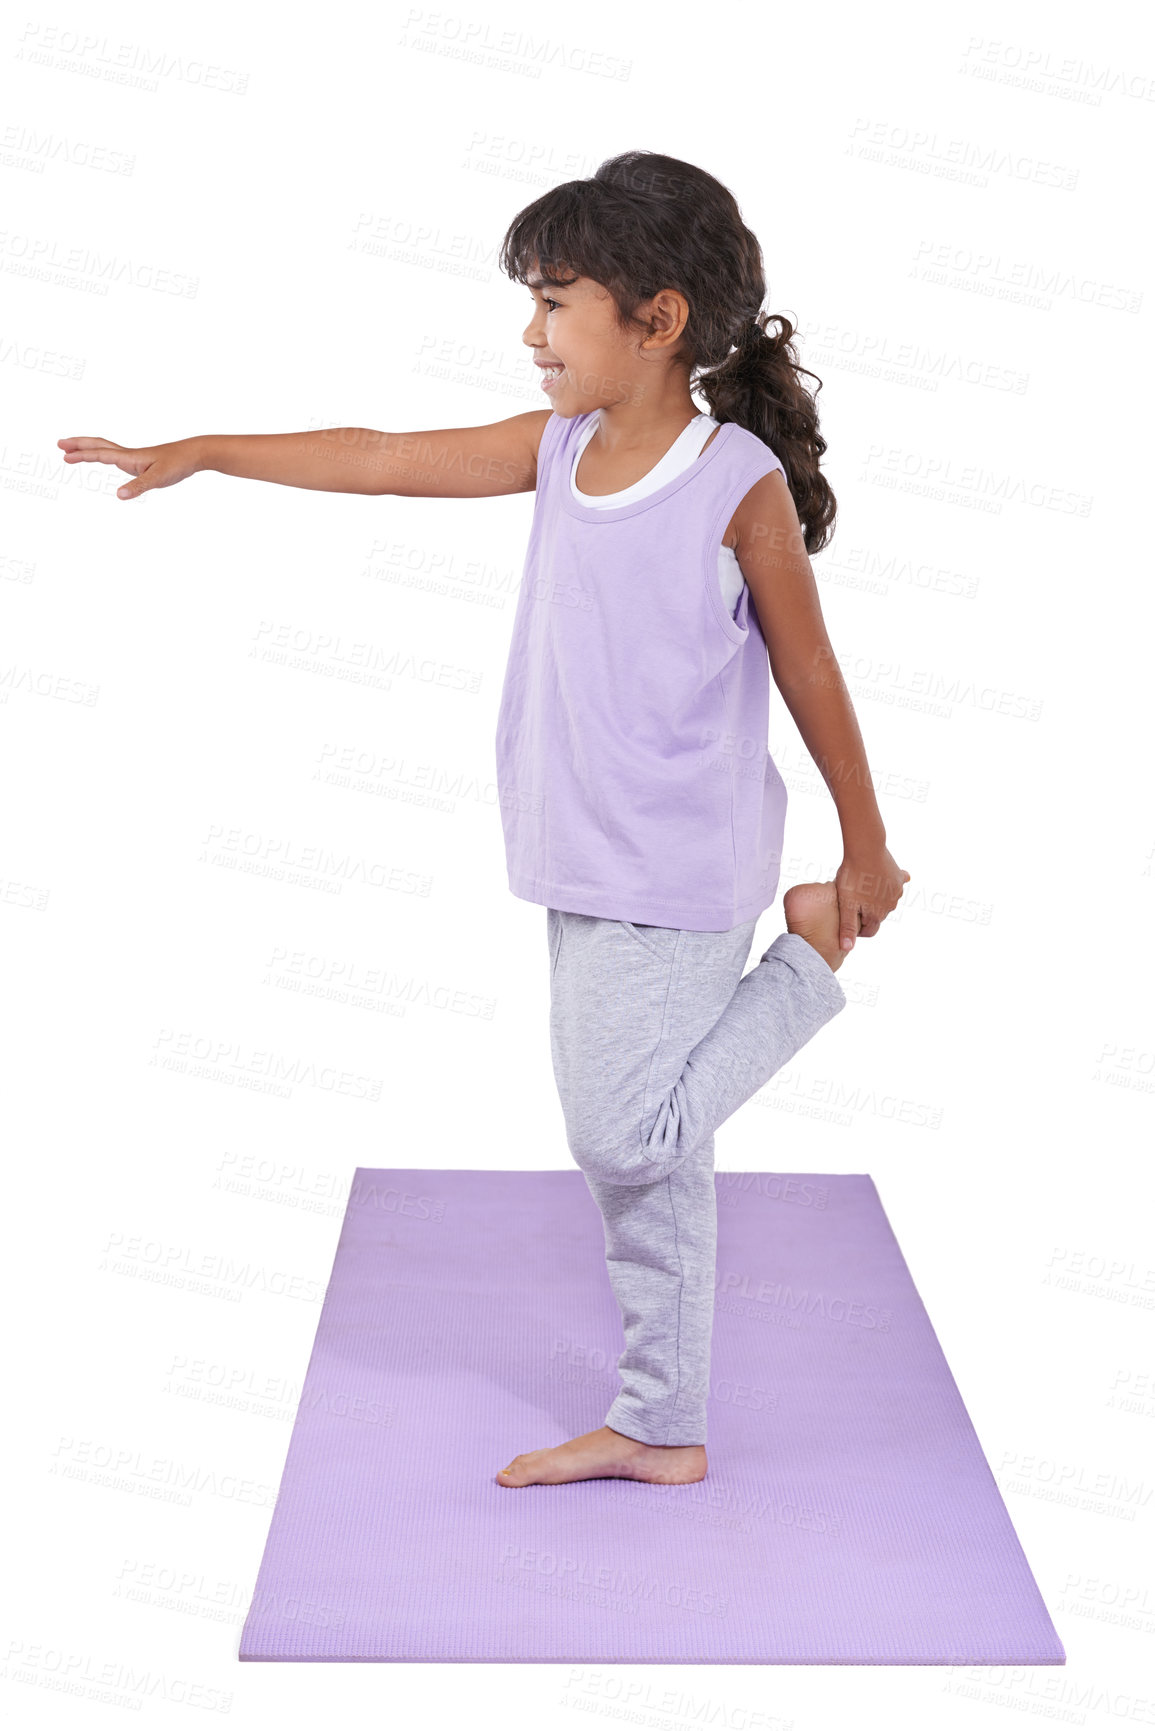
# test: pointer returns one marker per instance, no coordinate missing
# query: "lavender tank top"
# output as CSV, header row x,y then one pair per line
x,y
634,776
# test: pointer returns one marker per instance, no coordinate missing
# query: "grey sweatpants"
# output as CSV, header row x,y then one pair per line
x,y
657,1037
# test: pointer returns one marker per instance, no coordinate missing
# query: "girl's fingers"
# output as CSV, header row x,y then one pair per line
x,y
847,925
90,450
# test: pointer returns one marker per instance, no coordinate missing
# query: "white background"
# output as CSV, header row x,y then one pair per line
x,y
232,219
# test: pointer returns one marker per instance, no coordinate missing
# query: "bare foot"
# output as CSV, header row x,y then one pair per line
x,y
606,1454
812,911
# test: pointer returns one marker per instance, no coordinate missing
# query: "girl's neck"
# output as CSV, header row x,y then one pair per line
x,y
623,429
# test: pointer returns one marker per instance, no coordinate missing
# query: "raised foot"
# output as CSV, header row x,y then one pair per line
x,y
811,910
606,1454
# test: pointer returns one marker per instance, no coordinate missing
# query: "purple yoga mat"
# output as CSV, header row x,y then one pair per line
x,y
848,1516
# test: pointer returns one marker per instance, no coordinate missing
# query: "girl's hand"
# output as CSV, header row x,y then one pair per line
x,y
153,465
869,885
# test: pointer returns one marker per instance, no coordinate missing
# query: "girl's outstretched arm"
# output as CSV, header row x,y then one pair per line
x,y
774,562
447,463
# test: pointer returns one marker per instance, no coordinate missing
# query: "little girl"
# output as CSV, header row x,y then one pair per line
x,y
667,567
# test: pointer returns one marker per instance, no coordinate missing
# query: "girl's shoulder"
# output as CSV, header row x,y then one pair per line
x,y
752,455
556,429
746,440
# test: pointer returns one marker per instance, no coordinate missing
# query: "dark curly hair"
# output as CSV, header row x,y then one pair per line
x,y
646,222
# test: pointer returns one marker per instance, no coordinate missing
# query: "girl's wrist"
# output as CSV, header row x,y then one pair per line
x,y
201,445
863,838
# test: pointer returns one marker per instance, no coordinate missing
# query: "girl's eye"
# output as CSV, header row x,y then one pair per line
x,y
550,303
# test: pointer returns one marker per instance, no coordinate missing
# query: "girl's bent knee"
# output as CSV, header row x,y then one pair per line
x,y
618,1165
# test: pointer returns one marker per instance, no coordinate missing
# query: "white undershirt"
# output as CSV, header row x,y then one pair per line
x,y
685,450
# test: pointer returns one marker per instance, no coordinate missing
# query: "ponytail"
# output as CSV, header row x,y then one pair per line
x,y
759,385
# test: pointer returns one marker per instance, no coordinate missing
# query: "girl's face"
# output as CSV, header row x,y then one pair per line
x,y
576,329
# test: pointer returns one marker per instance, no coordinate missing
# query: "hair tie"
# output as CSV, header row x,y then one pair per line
x,y
750,333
